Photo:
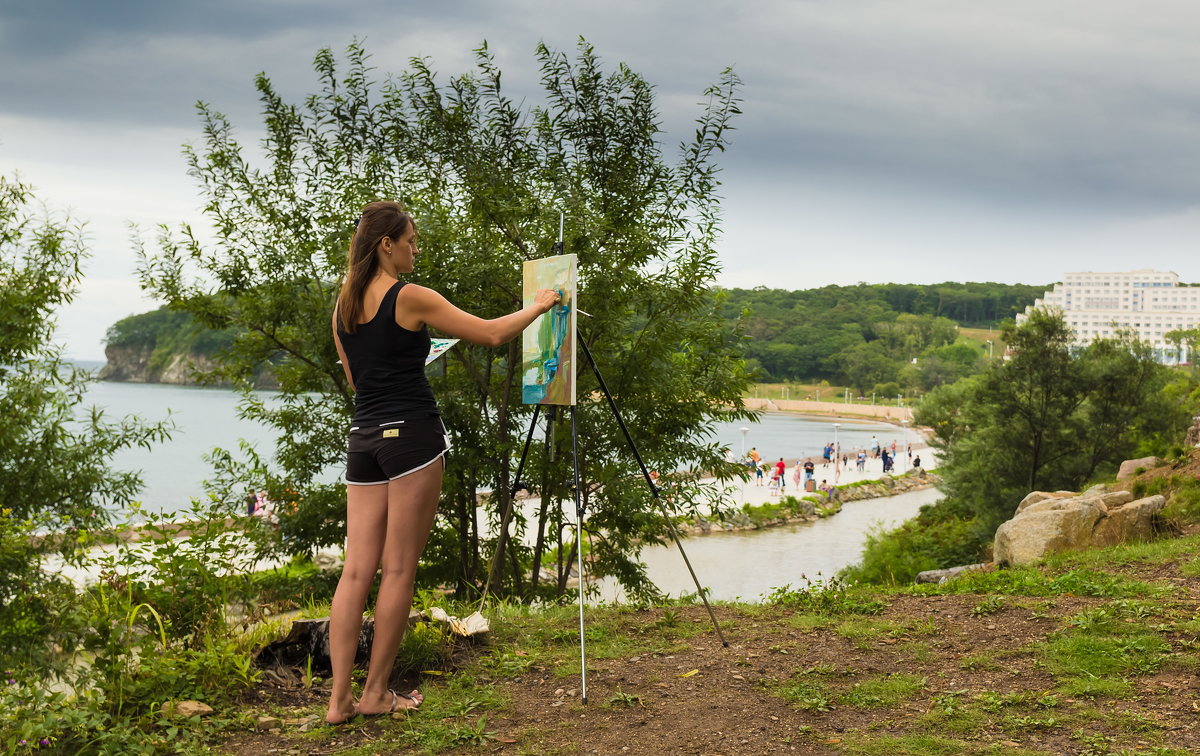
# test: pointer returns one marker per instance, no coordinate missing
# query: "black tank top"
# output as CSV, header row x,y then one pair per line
x,y
387,363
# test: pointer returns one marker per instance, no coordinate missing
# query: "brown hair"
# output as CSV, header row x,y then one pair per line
x,y
379,219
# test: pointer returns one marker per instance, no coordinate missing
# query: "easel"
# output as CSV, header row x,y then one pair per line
x,y
580,512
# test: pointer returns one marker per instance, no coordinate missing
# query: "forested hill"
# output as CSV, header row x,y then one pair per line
x,y
870,334
894,337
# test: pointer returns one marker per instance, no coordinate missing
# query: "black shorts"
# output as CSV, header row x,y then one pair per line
x,y
379,453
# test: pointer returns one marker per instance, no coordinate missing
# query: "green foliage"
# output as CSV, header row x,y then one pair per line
x,y
880,692
868,334
152,629
807,695
1048,418
939,536
485,178
826,596
54,455
1030,581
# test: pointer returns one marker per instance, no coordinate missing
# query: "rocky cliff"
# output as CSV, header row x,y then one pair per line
x,y
131,364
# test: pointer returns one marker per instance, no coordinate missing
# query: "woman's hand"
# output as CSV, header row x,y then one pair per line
x,y
545,299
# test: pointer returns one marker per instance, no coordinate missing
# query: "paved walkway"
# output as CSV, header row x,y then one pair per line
x,y
755,494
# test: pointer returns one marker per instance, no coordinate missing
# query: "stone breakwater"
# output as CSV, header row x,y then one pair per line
x,y
808,507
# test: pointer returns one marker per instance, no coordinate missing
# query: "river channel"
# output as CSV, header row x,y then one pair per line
x,y
748,564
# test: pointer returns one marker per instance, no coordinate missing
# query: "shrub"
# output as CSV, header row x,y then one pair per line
x,y
826,596
935,539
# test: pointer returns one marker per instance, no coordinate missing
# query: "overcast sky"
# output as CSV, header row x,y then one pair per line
x,y
891,140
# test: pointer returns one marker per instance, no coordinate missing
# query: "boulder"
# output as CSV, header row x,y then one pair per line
x,y
1129,467
941,576
1033,535
1133,521
1034,497
1046,523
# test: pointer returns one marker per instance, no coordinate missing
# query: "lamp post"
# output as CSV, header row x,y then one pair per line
x,y
907,456
837,454
744,431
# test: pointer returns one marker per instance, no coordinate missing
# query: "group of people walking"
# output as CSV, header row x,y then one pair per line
x,y
774,475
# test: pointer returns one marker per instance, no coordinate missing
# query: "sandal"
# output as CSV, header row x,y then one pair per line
x,y
395,700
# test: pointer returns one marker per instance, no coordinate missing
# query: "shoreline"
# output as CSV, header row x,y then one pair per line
x,y
898,416
742,520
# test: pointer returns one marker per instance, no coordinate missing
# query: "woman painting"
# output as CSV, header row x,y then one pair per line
x,y
396,444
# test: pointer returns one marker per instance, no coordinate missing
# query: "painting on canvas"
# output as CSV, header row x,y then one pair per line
x,y
548,344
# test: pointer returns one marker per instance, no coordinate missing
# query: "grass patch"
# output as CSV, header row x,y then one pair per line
x,y
1031,581
878,692
806,694
810,622
827,596
918,652
980,662
927,745
1091,655
1147,552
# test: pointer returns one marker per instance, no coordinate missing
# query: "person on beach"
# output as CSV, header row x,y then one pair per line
x,y
756,464
797,474
826,489
396,445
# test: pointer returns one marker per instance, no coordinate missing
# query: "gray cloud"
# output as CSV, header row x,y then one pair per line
x,y
878,128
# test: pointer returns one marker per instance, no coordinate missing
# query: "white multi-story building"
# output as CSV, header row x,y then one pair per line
x,y
1148,302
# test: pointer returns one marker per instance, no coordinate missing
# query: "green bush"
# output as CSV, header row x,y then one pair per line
x,y
826,596
935,539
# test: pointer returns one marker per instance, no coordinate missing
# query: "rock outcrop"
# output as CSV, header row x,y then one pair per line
x,y
139,365
1193,435
1049,522
1130,467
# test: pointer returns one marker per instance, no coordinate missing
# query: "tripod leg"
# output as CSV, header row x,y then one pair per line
x,y
579,552
496,564
612,405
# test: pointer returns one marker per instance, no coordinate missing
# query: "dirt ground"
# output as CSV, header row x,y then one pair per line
x,y
698,697
727,705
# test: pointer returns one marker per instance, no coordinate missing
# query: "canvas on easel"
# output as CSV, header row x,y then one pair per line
x,y
548,344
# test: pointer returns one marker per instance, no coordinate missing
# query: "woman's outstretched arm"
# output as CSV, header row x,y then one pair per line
x,y
418,305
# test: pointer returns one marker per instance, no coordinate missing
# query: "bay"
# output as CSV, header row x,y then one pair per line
x,y
207,418
750,564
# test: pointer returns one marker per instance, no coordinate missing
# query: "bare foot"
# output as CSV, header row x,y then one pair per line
x,y
340,714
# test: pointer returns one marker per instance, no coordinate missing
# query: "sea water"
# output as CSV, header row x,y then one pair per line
x,y
174,471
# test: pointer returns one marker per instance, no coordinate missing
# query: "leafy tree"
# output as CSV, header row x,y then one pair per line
x,y
54,457
1186,343
865,365
1047,419
486,179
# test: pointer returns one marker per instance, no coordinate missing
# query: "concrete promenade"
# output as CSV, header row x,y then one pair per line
x,y
756,495
833,409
